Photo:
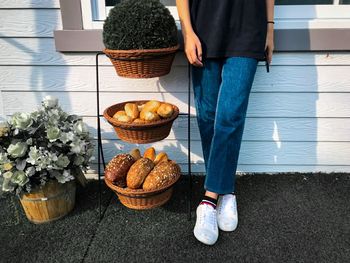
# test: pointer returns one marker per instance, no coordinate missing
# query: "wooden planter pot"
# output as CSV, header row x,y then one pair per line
x,y
51,202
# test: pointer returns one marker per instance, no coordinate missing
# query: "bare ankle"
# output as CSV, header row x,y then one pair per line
x,y
211,194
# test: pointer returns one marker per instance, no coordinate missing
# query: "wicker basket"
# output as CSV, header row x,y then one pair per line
x,y
140,132
142,63
140,199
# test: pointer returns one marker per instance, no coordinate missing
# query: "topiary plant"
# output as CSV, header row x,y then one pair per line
x,y
139,24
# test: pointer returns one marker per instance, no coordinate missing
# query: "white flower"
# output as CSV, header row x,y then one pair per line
x,y
17,150
67,136
34,155
30,171
77,146
80,127
21,120
53,133
50,102
62,161
20,178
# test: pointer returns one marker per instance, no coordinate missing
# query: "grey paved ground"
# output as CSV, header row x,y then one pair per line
x,y
282,218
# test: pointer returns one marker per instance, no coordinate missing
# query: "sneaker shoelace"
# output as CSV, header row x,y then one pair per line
x,y
208,215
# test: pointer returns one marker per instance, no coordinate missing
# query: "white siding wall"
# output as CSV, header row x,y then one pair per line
x,y
298,117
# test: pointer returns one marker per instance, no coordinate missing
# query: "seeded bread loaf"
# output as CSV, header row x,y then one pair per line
x,y
138,172
117,169
161,175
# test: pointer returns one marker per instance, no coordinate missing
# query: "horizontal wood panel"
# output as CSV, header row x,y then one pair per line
x,y
5,4
199,169
29,22
60,78
263,129
264,153
41,51
260,104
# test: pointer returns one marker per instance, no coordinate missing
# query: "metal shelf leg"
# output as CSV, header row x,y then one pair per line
x,y
189,197
99,139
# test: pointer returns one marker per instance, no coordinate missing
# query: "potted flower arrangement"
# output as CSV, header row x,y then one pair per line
x,y
140,37
42,155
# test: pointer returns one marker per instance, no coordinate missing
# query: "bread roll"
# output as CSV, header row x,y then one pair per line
x,y
124,118
117,169
141,106
165,110
119,113
161,157
161,175
150,153
131,110
138,120
149,116
138,172
135,153
151,105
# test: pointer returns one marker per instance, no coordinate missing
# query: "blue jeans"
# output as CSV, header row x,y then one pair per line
x,y
221,93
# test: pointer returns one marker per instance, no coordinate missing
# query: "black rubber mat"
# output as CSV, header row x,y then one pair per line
x,y
282,218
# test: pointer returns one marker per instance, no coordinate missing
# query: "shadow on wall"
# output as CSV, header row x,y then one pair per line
x,y
36,69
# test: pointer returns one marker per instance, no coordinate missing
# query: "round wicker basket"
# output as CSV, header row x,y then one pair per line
x,y
140,132
142,63
140,199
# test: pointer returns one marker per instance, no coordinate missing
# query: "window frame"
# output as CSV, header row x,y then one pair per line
x,y
286,16
297,28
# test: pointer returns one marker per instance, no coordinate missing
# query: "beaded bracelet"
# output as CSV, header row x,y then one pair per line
x,y
273,22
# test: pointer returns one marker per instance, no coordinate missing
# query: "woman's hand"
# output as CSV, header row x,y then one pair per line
x,y
193,49
269,46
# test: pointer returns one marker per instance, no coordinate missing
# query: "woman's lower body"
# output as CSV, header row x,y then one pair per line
x,y
221,92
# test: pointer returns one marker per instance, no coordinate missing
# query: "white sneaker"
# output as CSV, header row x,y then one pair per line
x,y
206,228
227,216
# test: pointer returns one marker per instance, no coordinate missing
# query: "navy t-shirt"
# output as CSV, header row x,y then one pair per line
x,y
230,27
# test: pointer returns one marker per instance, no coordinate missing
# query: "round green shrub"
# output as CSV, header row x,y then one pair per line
x,y
139,24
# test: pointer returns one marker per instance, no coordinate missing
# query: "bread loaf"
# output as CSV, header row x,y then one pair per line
x,y
150,153
135,153
117,169
131,110
151,105
124,118
161,157
119,113
138,172
165,110
138,120
141,106
162,174
149,115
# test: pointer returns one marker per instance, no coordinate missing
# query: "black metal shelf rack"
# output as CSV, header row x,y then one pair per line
x,y
100,155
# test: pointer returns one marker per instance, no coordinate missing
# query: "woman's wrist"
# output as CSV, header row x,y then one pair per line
x,y
270,26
